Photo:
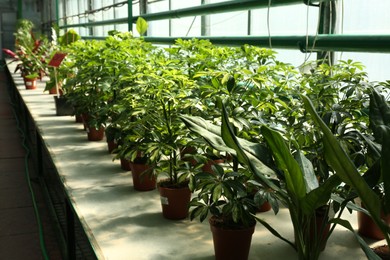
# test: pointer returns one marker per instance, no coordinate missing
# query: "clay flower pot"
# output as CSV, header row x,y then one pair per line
x,y
125,164
143,177
174,201
231,243
95,134
368,228
30,83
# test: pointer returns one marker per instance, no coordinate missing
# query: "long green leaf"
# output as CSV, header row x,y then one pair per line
x,y
286,162
274,232
367,250
344,167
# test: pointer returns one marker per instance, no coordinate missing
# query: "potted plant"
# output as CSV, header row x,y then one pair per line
x,y
31,52
224,195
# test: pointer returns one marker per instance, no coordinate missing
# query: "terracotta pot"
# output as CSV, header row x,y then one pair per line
x,y
231,243
143,178
125,164
207,166
174,202
53,90
368,228
320,228
30,83
63,108
111,145
95,134
265,207
188,151
79,119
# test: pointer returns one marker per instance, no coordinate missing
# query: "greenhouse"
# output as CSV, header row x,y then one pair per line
x,y
195,129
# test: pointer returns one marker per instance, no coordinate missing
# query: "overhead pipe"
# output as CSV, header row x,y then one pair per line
x,y
324,42
215,8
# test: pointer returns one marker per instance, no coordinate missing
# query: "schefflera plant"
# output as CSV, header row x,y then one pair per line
x,y
162,92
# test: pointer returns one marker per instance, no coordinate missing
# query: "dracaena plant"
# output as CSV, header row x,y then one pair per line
x,y
301,192
343,166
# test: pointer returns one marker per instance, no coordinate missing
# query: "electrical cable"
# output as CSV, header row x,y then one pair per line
x,y
27,175
342,25
307,37
268,24
192,23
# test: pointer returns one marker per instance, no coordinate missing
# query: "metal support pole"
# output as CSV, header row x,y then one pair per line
x,y
205,22
130,15
57,13
327,16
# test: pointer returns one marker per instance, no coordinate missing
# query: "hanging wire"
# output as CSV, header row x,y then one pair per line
x,y
268,24
192,23
307,36
342,24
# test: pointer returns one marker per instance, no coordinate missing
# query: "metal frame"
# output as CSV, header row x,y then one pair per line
x,y
321,42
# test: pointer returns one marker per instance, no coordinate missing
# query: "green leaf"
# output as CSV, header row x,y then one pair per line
x,y
141,26
310,178
217,192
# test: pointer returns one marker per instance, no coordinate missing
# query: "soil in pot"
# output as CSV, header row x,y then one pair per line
x,y
368,228
143,177
230,243
174,200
